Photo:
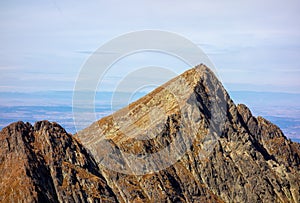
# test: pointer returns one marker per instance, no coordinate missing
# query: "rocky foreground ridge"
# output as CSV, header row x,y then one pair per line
x,y
245,159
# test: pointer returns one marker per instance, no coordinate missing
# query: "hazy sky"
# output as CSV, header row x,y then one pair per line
x,y
255,45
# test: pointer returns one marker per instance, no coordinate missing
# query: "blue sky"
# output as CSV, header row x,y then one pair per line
x,y
255,45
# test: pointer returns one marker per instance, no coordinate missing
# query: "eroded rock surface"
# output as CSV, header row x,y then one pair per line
x,y
43,163
216,152
249,161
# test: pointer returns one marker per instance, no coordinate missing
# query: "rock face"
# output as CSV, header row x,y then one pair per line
x,y
213,151
43,163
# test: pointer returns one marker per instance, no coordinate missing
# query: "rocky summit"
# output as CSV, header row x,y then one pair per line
x,y
43,163
186,141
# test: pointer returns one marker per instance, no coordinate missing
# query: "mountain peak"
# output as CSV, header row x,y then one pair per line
x,y
194,101
190,124
186,141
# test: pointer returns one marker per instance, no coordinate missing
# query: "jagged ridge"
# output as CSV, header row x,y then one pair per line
x,y
251,161
43,163
242,166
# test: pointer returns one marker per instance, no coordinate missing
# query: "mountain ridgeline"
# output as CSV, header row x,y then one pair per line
x,y
186,141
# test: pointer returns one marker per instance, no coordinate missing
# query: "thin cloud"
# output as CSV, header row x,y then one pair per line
x,y
245,36
95,52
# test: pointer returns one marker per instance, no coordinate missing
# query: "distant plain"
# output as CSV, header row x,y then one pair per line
x,y
283,109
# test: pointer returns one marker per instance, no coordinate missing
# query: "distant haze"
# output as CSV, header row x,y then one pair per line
x,y
283,109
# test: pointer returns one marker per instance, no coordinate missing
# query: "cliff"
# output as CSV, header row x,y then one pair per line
x,y
184,142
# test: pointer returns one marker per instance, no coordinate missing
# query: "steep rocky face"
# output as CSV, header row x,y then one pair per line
x,y
229,155
184,142
43,163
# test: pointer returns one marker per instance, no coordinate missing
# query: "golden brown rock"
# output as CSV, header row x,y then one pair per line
x,y
250,160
